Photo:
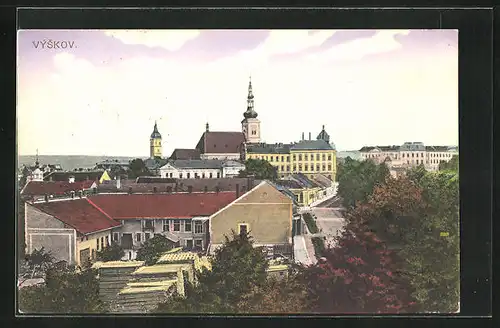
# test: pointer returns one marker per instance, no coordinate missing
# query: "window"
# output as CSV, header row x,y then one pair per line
x,y
166,226
323,167
138,237
196,175
421,154
300,157
288,158
97,246
242,228
317,157
305,157
300,167
116,236
254,132
306,167
323,157
317,167
198,227
180,175
198,243
188,226
329,167
93,254
282,158
171,175
189,243
329,157
282,167
210,175
203,175
177,225
312,167
188,175
294,157
412,154
294,168
218,175
107,240
288,168
102,242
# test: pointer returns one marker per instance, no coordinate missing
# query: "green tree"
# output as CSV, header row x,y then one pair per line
x,y
39,261
152,249
358,179
260,169
237,268
64,291
137,168
452,165
113,252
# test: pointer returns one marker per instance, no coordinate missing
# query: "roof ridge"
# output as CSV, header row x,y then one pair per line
x,y
100,210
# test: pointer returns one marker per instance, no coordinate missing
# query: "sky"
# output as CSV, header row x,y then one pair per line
x,y
102,92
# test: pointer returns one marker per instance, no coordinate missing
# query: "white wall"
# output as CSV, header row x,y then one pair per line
x,y
176,173
221,156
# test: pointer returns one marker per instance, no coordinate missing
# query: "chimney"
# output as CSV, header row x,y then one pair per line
x,y
190,189
72,194
206,127
205,189
237,190
46,198
155,190
80,193
118,182
302,135
309,135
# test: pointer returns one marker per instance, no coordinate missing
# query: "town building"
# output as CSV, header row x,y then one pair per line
x,y
201,169
250,126
308,190
39,190
410,154
220,145
264,212
308,157
155,146
78,176
73,230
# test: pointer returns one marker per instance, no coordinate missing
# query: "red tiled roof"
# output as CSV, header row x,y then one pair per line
x,y
220,142
179,153
182,205
79,214
54,188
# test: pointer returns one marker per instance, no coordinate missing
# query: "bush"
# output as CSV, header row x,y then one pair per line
x,y
319,246
311,224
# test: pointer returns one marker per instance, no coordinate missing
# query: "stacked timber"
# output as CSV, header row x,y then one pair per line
x,y
113,277
144,297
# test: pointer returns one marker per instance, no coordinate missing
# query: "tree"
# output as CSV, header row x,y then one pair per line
x,y
237,268
358,179
137,168
452,165
357,277
152,249
113,252
261,169
433,256
39,261
64,291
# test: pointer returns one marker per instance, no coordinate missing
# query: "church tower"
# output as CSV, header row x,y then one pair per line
x,y
250,126
155,143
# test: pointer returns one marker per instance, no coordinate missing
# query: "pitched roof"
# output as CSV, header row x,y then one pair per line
x,y
34,188
79,175
312,145
179,153
264,148
153,180
79,214
220,142
197,164
180,205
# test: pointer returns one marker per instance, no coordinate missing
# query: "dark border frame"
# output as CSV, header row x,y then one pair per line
x,y
475,93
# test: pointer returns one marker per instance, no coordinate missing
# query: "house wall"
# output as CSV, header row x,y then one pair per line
x,y
183,173
430,159
135,227
231,156
90,242
232,171
43,230
267,212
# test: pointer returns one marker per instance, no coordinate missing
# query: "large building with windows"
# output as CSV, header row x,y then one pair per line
x,y
309,157
410,154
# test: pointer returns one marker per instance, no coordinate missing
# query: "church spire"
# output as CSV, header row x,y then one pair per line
x,y
37,163
250,112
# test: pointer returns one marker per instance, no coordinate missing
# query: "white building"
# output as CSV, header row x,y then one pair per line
x,y
201,169
410,154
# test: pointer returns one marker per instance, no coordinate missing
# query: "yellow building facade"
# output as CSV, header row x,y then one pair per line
x,y
155,147
88,245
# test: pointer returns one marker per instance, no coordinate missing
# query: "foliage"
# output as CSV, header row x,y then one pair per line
x,y
113,252
319,246
452,165
432,259
21,243
153,248
358,179
310,222
64,291
261,169
39,261
237,268
137,168
355,278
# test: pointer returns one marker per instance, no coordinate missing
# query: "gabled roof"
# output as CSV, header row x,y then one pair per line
x,y
263,148
35,188
175,205
185,154
79,214
220,142
79,175
312,145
